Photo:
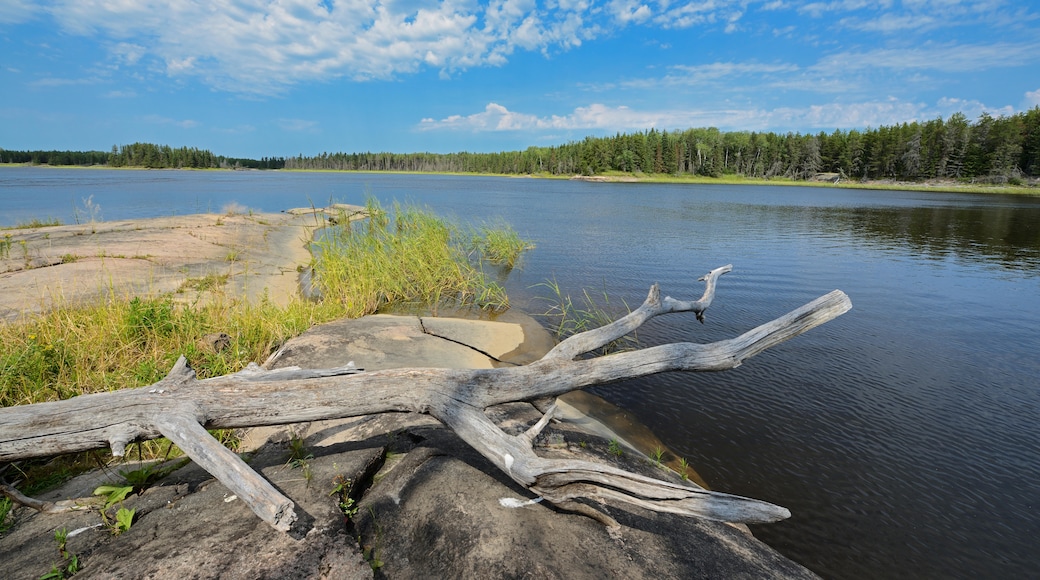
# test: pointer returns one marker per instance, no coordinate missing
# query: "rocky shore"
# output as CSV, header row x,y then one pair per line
x,y
390,495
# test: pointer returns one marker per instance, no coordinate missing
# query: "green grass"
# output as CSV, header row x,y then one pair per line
x,y
499,243
405,255
34,223
567,316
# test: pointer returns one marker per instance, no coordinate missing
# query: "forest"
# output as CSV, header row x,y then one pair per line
x,y
1004,149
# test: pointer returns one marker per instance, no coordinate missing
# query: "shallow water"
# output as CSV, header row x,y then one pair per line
x,y
903,435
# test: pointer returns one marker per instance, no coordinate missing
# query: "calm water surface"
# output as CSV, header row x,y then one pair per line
x,y
903,436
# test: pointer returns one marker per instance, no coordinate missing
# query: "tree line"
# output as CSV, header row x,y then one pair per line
x,y
145,155
1002,149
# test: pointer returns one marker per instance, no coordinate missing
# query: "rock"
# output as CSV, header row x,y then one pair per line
x,y
259,253
421,504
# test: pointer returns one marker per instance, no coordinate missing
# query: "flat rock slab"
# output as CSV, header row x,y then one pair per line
x,y
259,253
386,341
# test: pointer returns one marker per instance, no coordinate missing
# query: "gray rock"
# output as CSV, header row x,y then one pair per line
x,y
422,504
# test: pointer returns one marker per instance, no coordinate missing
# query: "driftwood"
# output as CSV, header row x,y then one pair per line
x,y
181,408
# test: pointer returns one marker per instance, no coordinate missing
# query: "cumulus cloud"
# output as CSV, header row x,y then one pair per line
x,y
265,46
601,117
262,46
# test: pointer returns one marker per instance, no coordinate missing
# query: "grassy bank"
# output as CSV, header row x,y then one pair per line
x,y
401,255
947,185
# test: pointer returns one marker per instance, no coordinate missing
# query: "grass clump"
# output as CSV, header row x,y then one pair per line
x,y
499,243
404,255
567,316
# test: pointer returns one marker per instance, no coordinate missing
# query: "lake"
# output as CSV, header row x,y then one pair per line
x,y
903,436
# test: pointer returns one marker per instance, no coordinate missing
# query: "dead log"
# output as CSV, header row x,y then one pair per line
x,y
181,407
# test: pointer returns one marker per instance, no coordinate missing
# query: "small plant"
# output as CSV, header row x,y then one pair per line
x,y
234,208
614,447
5,514
342,487
369,551
499,244
70,562
113,493
67,570
61,536
684,466
656,455
124,518
91,215
69,258
299,457
149,474
5,247
232,255
298,453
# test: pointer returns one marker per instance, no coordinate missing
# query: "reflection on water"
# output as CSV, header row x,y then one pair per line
x,y
1007,236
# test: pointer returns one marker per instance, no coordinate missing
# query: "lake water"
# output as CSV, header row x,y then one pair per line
x,y
904,436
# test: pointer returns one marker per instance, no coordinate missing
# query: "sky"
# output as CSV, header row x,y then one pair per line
x,y
262,78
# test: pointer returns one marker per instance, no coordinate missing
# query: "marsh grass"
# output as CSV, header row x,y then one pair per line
x,y
498,243
567,316
404,255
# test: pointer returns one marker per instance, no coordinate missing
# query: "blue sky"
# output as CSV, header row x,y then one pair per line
x,y
253,78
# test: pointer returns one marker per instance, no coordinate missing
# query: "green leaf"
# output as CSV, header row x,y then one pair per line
x,y
115,493
124,519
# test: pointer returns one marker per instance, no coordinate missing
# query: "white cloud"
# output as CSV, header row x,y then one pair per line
x,y
265,46
957,58
160,120
15,11
298,125
1033,98
262,46
49,82
827,117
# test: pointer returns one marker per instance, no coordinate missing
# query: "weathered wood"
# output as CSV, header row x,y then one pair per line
x,y
182,407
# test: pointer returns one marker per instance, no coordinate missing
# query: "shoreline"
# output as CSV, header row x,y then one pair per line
x,y
946,185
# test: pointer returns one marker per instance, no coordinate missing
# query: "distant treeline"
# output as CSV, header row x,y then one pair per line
x,y
142,155
993,149
990,149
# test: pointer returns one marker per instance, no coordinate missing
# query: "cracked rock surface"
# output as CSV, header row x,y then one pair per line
x,y
420,503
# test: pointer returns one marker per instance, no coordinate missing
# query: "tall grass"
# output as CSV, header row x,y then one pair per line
x,y
407,255
567,316
403,255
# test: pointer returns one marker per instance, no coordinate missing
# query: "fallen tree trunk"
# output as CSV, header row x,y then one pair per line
x,y
180,407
